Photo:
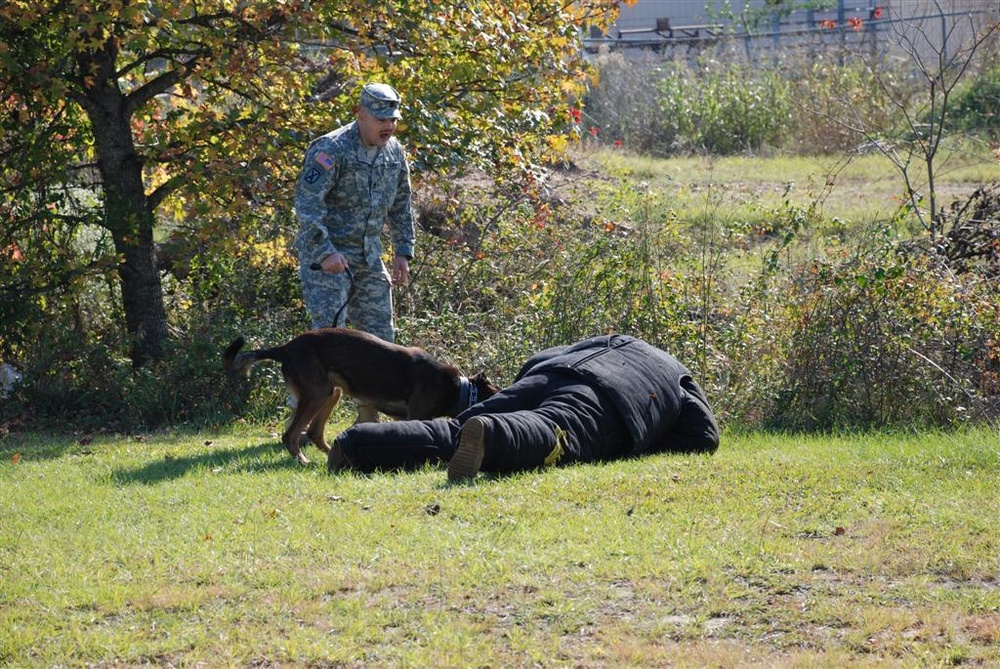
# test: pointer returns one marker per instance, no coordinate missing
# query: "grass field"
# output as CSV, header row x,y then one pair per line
x,y
848,188
214,549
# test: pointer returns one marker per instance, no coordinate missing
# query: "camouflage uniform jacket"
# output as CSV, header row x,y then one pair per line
x,y
344,198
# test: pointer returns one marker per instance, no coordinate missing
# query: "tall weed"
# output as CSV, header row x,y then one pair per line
x,y
811,103
625,105
838,102
726,108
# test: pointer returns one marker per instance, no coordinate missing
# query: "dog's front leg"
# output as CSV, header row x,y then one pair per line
x,y
294,448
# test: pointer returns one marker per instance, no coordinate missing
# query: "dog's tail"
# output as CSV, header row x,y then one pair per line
x,y
236,363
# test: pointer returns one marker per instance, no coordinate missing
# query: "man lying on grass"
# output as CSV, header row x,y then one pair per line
x,y
603,398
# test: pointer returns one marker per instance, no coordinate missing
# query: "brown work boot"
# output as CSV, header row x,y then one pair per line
x,y
468,458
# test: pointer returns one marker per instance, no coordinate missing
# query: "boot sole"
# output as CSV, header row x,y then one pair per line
x,y
465,464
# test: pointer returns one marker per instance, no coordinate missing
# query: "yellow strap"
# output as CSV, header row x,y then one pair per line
x,y
557,451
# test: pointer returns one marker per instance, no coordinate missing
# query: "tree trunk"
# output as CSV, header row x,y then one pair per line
x,y
142,294
127,213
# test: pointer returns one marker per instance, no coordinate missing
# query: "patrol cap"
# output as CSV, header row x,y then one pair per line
x,y
381,100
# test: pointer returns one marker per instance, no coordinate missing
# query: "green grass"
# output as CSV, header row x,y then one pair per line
x,y
216,550
859,189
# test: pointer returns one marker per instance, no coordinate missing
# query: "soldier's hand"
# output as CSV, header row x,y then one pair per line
x,y
400,271
335,263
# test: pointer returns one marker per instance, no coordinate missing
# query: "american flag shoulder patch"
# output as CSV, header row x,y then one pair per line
x,y
325,161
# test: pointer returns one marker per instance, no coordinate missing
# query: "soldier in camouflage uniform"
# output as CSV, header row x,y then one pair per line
x,y
355,181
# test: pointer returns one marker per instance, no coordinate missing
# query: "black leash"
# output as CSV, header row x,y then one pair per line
x,y
350,291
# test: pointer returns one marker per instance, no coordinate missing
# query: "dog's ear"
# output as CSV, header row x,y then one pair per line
x,y
485,387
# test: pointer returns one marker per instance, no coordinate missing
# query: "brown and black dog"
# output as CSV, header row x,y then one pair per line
x,y
400,381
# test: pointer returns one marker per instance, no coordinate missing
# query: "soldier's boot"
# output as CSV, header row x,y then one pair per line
x,y
468,458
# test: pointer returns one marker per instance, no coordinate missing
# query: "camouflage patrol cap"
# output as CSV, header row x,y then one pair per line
x,y
381,100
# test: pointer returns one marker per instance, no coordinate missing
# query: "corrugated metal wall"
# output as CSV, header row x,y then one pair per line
x,y
942,24
686,12
645,12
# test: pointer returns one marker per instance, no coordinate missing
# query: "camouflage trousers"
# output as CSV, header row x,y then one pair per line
x,y
361,298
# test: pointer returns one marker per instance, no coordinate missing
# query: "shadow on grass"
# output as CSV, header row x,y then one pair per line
x,y
259,458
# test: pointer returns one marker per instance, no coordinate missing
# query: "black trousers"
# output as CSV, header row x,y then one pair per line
x,y
543,419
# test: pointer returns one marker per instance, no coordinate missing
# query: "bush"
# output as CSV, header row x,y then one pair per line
x,y
877,340
977,107
837,101
524,275
879,335
76,374
669,107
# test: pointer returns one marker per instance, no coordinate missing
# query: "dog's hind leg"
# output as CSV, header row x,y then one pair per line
x,y
304,410
292,402
318,424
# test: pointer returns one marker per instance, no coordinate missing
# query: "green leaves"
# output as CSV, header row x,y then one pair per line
x,y
166,115
206,84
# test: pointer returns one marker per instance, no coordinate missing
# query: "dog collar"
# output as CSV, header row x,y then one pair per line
x,y
468,394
